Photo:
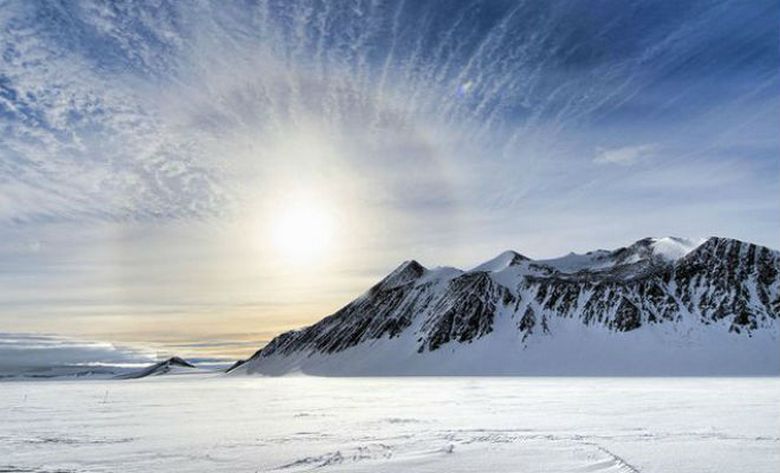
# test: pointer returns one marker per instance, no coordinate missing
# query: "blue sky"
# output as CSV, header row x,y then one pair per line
x,y
151,150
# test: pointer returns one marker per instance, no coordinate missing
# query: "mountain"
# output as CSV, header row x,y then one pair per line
x,y
661,306
173,365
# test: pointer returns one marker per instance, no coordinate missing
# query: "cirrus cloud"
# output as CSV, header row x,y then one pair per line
x,y
625,155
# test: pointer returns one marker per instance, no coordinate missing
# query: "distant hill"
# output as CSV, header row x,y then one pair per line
x,y
171,366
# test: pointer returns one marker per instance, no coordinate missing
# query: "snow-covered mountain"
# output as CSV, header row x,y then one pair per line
x,y
662,306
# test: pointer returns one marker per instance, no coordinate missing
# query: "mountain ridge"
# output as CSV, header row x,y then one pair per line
x,y
667,283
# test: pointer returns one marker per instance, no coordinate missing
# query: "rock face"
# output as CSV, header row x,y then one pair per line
x,y
653,292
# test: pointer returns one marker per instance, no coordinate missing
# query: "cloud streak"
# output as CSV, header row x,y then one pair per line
x,y
24,352
625,155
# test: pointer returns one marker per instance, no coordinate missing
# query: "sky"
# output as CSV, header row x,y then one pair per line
x,y
195,177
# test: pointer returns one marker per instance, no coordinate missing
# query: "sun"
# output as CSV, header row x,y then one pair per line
x,y
302,231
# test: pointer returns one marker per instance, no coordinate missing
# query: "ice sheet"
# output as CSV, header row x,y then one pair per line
x,y
235,424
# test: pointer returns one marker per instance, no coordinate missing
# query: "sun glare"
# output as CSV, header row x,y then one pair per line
x,y
302,232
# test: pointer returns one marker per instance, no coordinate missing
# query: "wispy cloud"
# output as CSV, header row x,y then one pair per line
x,y
625,155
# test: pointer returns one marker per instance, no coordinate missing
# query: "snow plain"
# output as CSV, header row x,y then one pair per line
x,y
214,423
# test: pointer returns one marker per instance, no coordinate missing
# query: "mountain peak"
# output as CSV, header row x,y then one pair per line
x,y
407,271
714,241
731,248
177,361
410,264
502,261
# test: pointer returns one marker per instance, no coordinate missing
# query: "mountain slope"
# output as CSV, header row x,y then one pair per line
x,y
658,306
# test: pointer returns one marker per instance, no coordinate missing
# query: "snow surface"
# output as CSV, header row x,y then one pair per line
x,y
104,371
501,262
674,248
238,424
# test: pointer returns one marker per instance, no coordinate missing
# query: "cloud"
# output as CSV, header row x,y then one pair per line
x,y
626,155
136,111
20,352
